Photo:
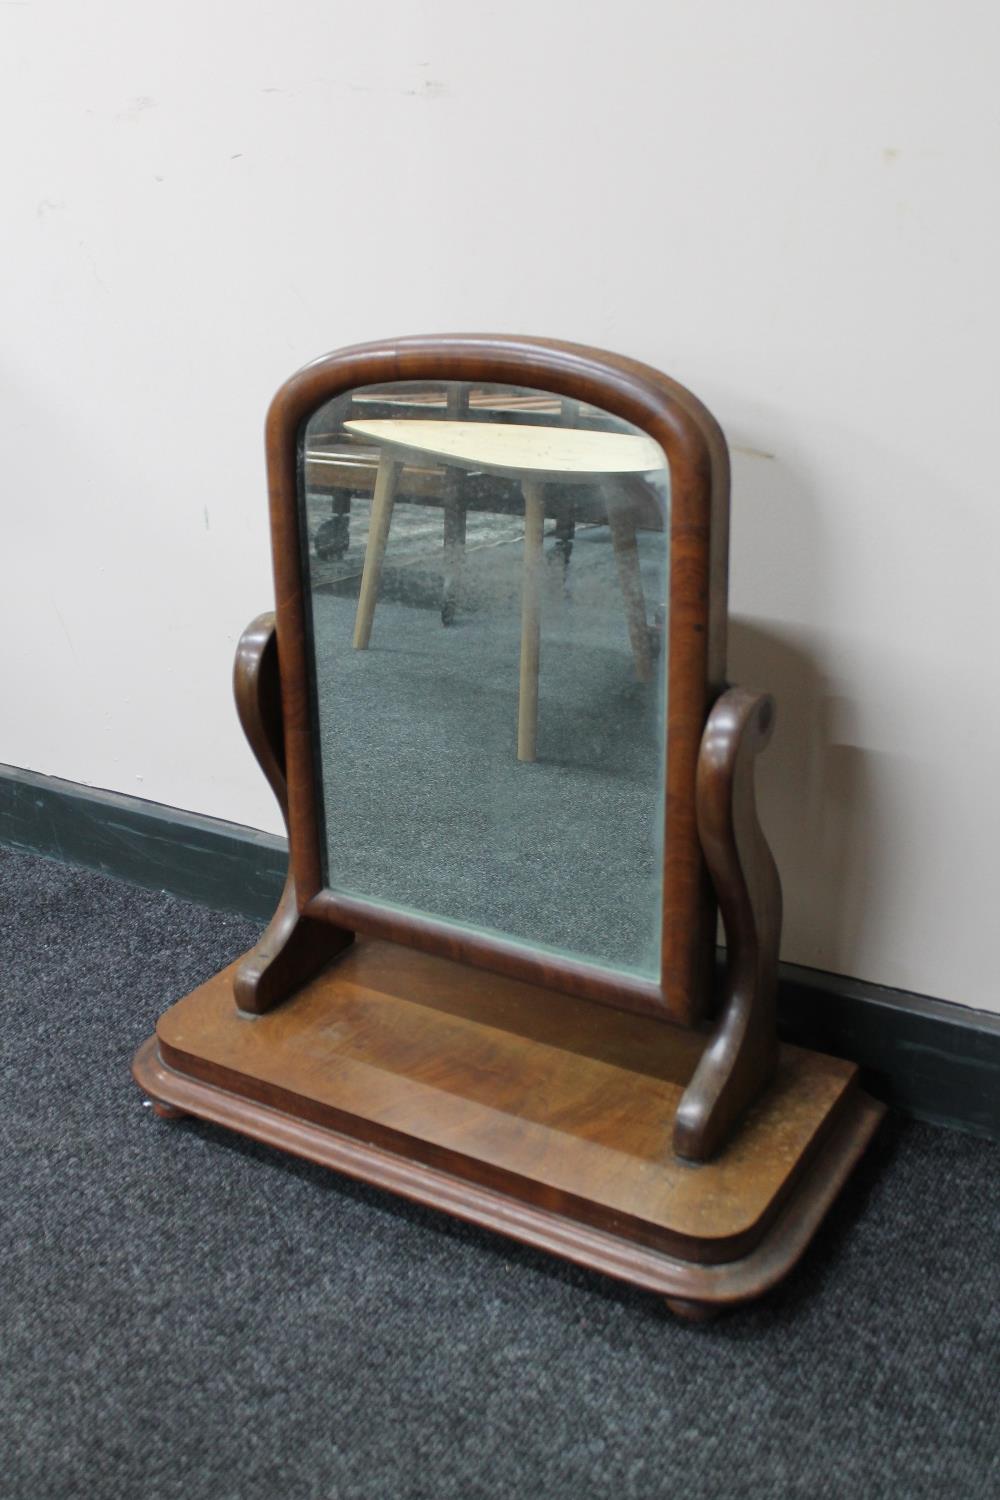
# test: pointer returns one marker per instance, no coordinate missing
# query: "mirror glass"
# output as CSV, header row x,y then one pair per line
x,y
486,569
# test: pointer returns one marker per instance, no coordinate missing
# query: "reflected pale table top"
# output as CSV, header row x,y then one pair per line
x,y
517,450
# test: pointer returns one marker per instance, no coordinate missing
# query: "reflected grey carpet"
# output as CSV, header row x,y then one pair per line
x,y
427,805
183,1314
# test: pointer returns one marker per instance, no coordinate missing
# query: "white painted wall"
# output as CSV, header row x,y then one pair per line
x,y
792,207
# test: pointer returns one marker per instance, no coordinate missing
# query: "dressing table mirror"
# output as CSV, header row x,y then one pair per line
x,y
519,792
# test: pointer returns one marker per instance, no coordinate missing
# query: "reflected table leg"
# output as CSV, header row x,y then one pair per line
x,y
622,525
527,708
454,547
383,499
565,532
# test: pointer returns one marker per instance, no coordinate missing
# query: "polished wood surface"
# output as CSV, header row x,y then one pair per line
x,y
505,1083
691,1289
293,945
741,1056
550,454
543,1117
699,468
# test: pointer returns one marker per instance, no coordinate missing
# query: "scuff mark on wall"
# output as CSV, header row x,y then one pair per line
x,y
136,107
751,452
65,631
431,88
428,88
89,256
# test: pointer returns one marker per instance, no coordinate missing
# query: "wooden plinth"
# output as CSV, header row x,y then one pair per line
x,y
540,1116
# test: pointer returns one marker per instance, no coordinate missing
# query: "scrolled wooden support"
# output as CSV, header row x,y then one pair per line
x,y
293,947
740,1057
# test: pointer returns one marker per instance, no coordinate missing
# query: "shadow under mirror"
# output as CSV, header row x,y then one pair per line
x,y
487,575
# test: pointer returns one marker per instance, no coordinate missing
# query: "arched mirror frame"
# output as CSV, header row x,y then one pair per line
x,y
503,1119
696,645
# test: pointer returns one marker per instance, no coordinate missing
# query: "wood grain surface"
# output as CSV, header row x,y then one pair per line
x,y
556,1101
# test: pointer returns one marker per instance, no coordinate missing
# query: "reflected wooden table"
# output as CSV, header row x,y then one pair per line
x,y
535,457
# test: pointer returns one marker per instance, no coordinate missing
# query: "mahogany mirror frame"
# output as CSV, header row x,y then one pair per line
x,y
695,1159
698,461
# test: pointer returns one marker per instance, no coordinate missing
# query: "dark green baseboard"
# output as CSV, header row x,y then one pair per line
x,y
217,864
931,1058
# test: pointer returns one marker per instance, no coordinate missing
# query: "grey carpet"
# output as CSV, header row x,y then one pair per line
x,y
427,806
184,1314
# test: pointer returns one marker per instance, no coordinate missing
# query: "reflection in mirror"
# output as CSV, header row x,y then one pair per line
x,y
487,571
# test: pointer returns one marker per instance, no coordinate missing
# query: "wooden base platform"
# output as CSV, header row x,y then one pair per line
x,y
543,1117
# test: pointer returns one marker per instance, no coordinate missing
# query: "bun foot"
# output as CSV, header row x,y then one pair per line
x,y
167,1111
692,1312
